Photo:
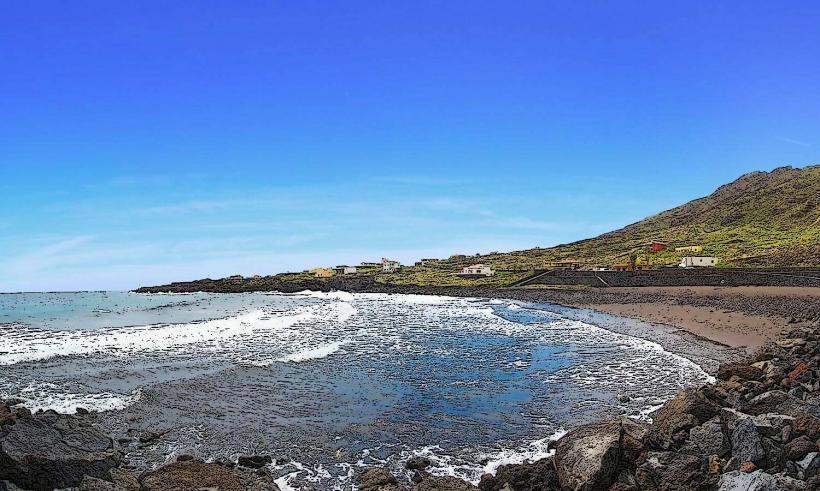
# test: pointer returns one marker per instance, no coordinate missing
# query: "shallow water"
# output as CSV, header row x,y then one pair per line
x,y
329,382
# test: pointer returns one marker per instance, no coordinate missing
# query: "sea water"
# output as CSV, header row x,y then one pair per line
x,y
329,382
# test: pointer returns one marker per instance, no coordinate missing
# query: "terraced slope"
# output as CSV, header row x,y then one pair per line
x,y
761,219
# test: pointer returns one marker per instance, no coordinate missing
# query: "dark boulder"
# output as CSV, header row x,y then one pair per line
x,y
377,479
429,482
254,461
592,456
50,450
740,370
417,463
746,443
807,425
195,474
707,439
532,476
689,408
673,471
799,448
119,480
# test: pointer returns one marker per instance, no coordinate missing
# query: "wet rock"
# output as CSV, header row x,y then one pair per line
x,y
740,370
535,476
590,457
195,474
50,450
254,461
687,409
757,481
799,448
377,479
670,471
746,444
417,463
443,483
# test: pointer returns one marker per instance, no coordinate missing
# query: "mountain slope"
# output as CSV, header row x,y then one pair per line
x,y
761,219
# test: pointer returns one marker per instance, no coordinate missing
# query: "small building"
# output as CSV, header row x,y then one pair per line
x,y
655,246
476,270
564,264
425,262
390,266
698,262
322,272
694,248
344,269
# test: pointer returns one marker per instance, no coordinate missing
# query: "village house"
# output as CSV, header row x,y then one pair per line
x,y
476,270
343,270
698,262
655,246
389,266
694,248
322,272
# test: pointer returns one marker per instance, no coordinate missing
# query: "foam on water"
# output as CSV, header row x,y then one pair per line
x,y
44,395
370,364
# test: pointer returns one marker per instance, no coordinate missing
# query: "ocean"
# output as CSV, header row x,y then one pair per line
x,y
328,383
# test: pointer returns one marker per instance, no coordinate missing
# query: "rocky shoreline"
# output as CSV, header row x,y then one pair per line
x,y
757,428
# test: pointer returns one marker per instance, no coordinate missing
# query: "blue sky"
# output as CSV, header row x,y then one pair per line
x,y
166,141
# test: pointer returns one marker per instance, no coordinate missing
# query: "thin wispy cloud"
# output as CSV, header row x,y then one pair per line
x,y
793,141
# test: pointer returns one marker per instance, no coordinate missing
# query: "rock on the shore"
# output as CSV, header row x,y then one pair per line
x,y
195,474
378,479
529,476
120,480
49,450
758,481
429,482
746,443
592,456
688,409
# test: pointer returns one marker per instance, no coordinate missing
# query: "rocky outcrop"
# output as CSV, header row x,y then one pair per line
x,y
529,476
594,456
195,474
378,479
49,450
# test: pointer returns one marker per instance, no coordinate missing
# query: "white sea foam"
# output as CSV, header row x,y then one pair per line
x,y
314,353
24,344
44,395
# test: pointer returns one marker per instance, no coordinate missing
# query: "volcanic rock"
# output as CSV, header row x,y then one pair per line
x,y
377,479
590,457
50,450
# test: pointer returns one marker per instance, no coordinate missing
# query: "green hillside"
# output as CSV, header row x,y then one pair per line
x,y
761,219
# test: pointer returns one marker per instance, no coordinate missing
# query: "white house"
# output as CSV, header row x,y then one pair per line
x,y
345,269
698,262
389,266
477,270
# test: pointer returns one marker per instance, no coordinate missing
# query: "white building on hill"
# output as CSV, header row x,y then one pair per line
x,y
698,262
389,266
477,270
